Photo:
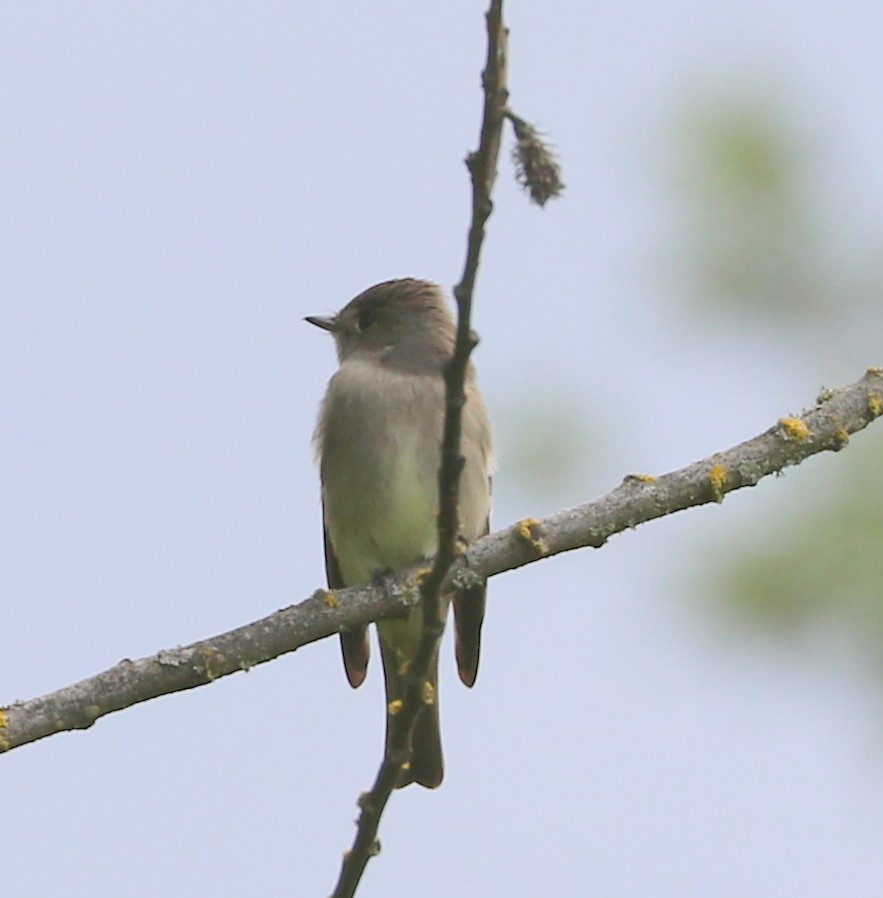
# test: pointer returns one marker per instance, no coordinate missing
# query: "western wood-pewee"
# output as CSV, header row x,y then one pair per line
x,y
378,442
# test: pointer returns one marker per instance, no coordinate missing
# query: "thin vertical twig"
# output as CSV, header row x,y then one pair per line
x,y
482,165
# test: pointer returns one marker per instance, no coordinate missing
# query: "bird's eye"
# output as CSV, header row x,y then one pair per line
x,y
365,319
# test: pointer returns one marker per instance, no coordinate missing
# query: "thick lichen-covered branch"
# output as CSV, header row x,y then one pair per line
x,y
828,426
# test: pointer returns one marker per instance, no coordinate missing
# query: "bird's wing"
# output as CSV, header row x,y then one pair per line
x,y
353,640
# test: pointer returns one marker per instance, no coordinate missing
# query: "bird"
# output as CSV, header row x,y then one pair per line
x,y
378,446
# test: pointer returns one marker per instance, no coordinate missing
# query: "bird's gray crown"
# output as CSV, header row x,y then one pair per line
x,y
405,324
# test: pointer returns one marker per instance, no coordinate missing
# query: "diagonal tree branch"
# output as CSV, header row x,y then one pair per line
x,y
639,498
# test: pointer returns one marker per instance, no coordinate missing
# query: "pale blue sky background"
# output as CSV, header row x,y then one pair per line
x,y
181,183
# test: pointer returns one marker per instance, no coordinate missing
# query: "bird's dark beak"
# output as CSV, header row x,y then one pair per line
x,y
327,324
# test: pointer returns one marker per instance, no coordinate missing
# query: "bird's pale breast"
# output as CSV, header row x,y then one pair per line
x,y
379,484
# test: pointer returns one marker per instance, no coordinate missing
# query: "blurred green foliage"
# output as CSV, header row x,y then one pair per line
x,y
752,245
751,239
548,445
819,560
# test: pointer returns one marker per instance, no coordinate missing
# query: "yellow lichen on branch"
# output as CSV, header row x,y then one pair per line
x,y
717,477
795,429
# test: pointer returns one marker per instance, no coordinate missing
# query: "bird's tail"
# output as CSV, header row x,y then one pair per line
x,y
426,766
